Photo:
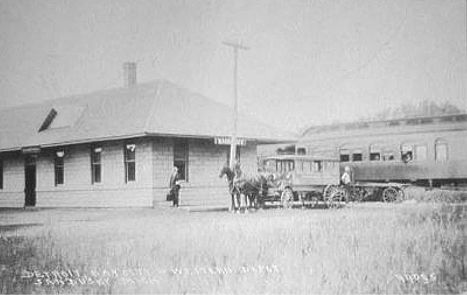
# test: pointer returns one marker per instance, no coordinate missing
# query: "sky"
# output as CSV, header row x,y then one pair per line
x,y
309,62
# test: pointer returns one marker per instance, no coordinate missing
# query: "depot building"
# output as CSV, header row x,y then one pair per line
x,y
117,147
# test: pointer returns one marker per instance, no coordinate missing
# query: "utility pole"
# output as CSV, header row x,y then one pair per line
x,y
233,144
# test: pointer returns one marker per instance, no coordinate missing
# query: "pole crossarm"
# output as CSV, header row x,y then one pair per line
x,y
236,45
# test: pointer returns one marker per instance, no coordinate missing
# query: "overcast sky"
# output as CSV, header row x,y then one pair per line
x,y
310,62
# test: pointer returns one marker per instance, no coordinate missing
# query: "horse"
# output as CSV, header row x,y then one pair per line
x,y
253,188
234,191
250,187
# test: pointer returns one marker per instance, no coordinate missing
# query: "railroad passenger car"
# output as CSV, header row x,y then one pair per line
x,y
429,151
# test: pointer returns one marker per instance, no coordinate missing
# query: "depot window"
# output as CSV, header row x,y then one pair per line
x,y
1,174
96,165
59,168
130,162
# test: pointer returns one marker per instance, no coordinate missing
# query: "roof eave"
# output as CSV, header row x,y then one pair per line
x,y
144,134
13,149
88,140
255,139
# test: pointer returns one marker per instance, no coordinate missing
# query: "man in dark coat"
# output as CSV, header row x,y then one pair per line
x,y
174,186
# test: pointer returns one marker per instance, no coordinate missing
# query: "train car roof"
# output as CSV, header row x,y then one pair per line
x,y
301,157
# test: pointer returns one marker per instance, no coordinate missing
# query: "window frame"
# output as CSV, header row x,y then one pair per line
x,y
375,150
357,152
386,156
404,151
344,152
127,162
441,142
59,168
416,155
1,173
94,151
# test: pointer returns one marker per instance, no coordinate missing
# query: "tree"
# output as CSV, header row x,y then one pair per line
x,y
422,109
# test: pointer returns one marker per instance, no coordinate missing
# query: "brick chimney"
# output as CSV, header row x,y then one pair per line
x,y
129,74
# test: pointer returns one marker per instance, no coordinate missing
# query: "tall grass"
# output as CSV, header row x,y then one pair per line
x,y
364,249
422,194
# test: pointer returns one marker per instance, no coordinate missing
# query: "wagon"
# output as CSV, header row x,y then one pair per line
x,y
364,191
311,180
299,178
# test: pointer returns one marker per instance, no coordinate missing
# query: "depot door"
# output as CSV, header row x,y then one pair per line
x,y
30,181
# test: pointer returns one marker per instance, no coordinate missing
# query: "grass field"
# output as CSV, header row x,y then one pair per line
x,y
364,248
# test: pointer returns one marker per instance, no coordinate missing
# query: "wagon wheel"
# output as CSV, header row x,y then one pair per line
x,y
287,198
390,194
328,191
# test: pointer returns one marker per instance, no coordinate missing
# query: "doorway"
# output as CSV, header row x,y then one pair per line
x,y
30,181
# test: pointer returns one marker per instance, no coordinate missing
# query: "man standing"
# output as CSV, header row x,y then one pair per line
x,y
174,186
346,180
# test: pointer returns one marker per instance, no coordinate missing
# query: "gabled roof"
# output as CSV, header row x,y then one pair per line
x,y
155,108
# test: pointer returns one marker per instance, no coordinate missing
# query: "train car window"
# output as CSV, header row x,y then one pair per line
x,y
441,150
357,156
301,151
406,153
375,152
388,156
420,152
375,156
344,155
